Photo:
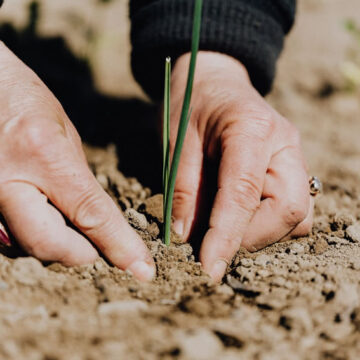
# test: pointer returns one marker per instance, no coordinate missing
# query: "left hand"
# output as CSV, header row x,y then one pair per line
x,y
262,184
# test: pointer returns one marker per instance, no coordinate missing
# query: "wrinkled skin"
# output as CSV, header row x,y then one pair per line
x,y
262,193
44,174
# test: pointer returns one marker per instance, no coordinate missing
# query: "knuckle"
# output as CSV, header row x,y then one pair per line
x,y
34,136
259,123
263,122
246,193
182,196
91,213
294,214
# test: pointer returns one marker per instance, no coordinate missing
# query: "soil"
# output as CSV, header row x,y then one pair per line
x,y
298,299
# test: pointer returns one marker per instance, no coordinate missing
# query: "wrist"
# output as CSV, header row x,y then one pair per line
x,y
212,64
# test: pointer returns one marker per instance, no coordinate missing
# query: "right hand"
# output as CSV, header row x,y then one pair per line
x,y
43,173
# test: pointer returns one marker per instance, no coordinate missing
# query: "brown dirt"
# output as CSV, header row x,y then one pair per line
x,y
294,300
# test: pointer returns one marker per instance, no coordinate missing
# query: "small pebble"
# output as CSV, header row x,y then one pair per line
x,y
297,249
263,273
202,344
294,268
136,187
343,220
347,297
329,286
262,260
304,264
142,195
278,281
225,290
136,219
99,265
246,262
353,232
102,180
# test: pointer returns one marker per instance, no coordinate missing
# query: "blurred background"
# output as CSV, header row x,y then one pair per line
x,y
81,50
94,30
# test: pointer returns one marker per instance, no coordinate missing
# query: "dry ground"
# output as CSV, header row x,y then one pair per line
x,y
295,300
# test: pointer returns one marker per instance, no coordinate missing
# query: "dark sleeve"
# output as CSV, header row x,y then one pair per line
x,y
252,31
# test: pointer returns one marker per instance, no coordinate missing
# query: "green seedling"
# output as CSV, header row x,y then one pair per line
x,y
351,67
353,29
166,131
170,172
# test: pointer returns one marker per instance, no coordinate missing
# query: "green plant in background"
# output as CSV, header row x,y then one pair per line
x,y
170,172
351,68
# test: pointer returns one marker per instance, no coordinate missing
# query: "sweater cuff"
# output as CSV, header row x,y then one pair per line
x,y
251,33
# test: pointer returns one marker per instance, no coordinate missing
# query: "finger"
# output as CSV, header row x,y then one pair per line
x,y
240,184
286,204
40,229
79,196
304,228
187,185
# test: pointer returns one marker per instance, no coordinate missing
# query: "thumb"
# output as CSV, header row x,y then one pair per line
x,y
187,184
92,211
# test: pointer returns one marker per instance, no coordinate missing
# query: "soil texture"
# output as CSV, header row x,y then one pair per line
x,y
298,299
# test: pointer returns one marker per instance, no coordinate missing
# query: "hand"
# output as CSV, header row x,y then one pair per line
x,y
262,185
44,173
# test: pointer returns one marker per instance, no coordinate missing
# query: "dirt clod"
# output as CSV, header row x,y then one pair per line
x,y
137,220
297,299
353,232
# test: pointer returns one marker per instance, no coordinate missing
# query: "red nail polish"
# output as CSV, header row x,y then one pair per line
x,y
4,239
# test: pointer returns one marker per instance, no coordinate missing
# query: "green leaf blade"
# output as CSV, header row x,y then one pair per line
x,y
184,120
166,129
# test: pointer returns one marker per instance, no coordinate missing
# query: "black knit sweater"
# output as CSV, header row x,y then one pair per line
x,y
250,30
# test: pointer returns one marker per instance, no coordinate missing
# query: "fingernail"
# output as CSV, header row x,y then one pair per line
x,y
218,270
4,239
142,270
179,227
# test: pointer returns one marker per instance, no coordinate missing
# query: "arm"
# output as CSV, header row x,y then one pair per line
x,y
262,190
44,176
250,31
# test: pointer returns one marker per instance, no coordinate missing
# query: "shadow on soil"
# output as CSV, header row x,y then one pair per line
x,y
100,119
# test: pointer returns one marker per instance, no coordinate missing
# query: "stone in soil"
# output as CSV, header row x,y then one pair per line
x,y
353,232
